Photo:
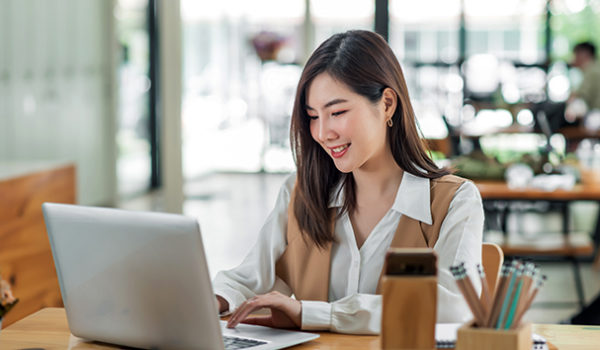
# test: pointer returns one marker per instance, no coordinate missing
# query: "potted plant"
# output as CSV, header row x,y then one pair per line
x,y
7,300
267,45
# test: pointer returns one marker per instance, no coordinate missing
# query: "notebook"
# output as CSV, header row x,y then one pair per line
x,y
141,279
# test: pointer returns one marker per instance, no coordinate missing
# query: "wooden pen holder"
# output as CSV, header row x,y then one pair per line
x,y
473,338
409,312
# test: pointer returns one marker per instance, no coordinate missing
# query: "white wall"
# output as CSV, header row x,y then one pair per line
x,y
57,88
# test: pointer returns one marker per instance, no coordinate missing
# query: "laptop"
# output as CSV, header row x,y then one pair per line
x,y
141,280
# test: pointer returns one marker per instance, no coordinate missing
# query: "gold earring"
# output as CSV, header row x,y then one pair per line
x,y
390,122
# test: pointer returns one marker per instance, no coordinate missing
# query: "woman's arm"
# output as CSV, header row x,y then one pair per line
x,y
459,241
354,314
256,274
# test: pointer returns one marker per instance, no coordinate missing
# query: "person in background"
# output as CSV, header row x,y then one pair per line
x,y
364,183
589,90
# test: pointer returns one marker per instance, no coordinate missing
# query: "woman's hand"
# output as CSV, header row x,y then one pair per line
x,y
285,311
223,304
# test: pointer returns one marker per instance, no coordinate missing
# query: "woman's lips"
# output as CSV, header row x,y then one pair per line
x,y
339,151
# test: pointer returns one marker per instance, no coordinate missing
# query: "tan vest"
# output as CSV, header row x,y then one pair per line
x,y
305,268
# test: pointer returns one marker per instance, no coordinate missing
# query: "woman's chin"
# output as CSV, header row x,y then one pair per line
x,y
344,168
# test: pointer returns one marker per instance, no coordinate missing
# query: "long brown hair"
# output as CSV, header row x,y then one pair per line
x,y
367,65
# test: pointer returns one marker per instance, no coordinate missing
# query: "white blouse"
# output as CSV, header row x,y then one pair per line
x,y
354,307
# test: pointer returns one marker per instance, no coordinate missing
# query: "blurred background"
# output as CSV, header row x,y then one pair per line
x,y
184,106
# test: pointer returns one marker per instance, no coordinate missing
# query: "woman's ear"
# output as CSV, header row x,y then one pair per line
x,y
390,102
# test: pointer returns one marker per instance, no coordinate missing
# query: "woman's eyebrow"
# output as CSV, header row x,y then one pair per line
x,y
329,104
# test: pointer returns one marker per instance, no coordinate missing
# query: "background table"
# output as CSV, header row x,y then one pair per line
x,y
589,190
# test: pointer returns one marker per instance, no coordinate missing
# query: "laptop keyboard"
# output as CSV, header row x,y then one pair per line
x,y
232,343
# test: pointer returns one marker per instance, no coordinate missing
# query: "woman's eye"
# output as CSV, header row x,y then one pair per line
x,y
313,117
335,114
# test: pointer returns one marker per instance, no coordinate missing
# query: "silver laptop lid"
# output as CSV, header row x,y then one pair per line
x,y
133,278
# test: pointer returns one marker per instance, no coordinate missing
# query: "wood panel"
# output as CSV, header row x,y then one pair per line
x,y
25,255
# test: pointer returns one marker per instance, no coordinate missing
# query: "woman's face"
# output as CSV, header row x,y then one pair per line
x,y
349,127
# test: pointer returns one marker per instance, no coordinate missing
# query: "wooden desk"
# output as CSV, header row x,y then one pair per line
x,y
47,329
499,190
570,133
578,133
588,191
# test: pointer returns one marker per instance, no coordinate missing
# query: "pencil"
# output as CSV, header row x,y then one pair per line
x,y
513,304
514,300
459,276
486,299
515,267
499,294
461,286
530,272
539,284
474,296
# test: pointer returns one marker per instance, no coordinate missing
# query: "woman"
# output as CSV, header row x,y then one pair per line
x,y
364,182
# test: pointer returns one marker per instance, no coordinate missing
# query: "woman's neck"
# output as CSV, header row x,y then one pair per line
x,y
381,181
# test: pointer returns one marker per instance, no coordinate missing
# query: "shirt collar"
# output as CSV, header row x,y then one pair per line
x,y
337,196
412,198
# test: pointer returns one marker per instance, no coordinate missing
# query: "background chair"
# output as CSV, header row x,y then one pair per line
x,y
492,258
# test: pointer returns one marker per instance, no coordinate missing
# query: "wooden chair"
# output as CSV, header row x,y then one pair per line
x,y
492,258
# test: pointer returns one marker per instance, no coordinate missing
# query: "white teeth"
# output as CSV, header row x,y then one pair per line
x,y
339,149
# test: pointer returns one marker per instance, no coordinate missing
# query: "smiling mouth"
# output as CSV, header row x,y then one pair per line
x,y
339,151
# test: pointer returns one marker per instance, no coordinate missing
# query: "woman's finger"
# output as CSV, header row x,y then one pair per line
x,y
236,313
252,306
246,304
260,321
273,300
244,310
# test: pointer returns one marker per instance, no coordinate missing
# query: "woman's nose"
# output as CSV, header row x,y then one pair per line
x,y
325,131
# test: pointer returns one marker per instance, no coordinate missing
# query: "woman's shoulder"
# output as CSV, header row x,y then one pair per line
x,y
450,178
286,189
289,182
462,188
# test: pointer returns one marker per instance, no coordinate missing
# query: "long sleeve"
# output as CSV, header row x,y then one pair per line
x,y
354,314
256,274
459,241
